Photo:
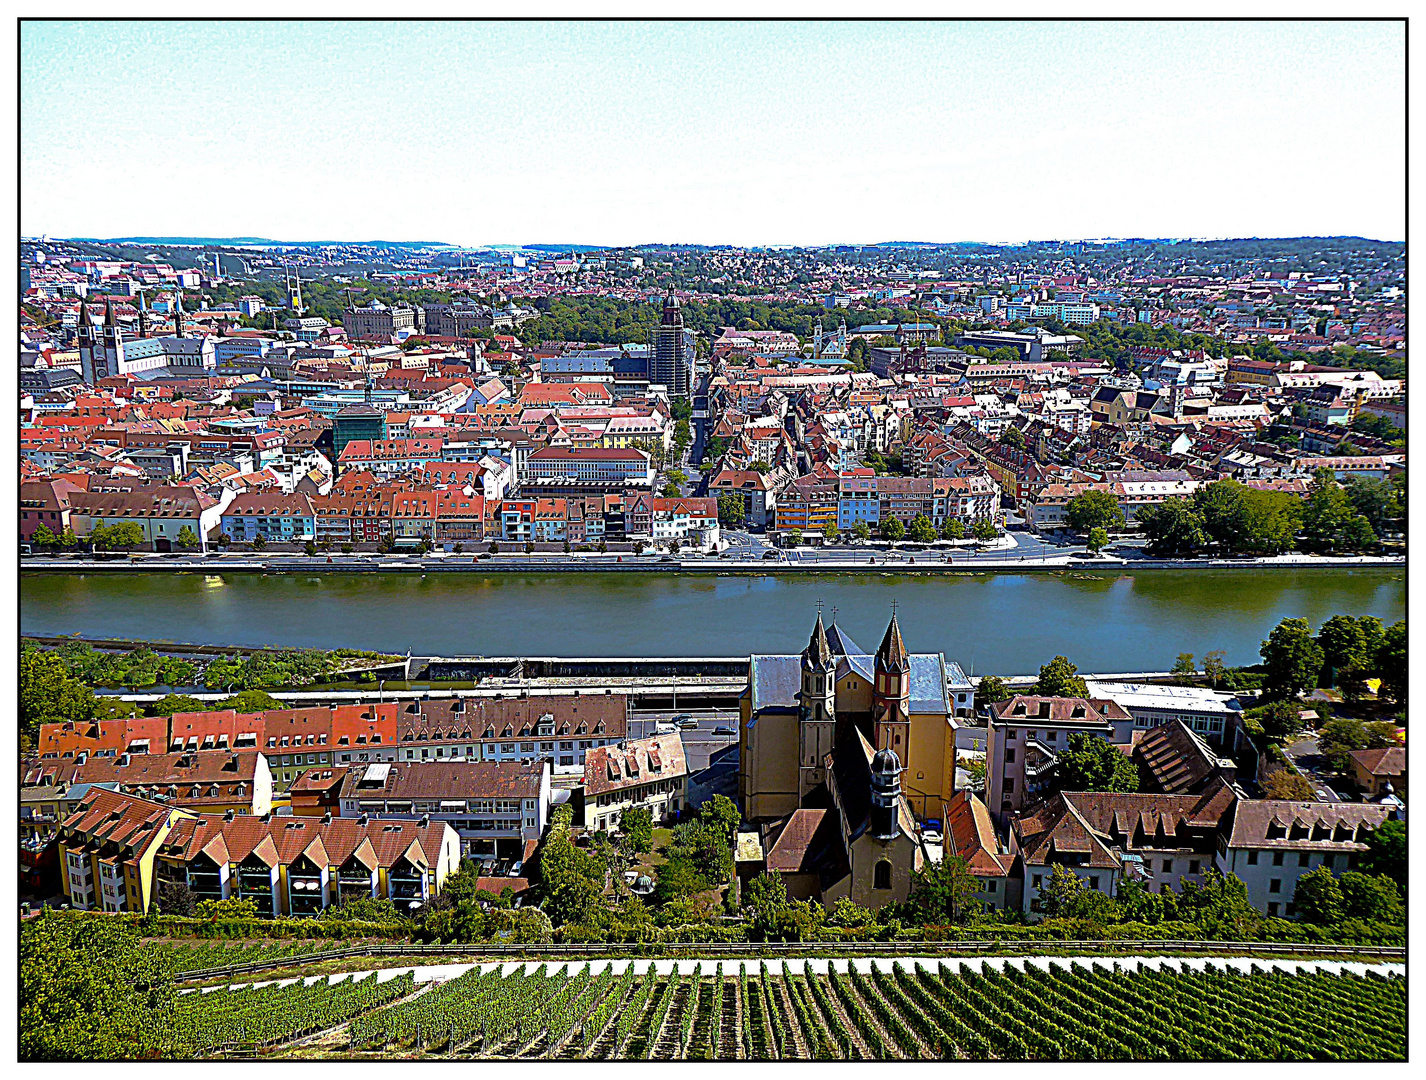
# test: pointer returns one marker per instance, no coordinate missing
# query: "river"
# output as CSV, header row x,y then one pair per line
x,y
1003,623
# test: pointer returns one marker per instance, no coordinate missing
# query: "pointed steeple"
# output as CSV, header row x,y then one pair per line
x,y
143,316
891,656
818,654
85,318
178,311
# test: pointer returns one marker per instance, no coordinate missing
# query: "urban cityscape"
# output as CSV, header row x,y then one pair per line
x,y
899,650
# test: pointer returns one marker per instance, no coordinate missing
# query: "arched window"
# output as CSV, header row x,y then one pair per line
x,y
881,876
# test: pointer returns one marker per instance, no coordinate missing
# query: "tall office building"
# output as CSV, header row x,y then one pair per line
x,y
671,352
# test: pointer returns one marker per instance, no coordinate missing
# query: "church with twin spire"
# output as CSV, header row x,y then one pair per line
x,y
844,755
799,709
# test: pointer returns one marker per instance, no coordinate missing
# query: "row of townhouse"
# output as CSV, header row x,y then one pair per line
x,y
560,728
1048,507
860,496
115,851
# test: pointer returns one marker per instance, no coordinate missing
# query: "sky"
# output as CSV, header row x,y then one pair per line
x,y
712,133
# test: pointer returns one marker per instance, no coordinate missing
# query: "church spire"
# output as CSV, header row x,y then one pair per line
x,y
178,311
818,654
143,316
891,656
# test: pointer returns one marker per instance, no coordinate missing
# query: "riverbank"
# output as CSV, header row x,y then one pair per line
x,y
932,563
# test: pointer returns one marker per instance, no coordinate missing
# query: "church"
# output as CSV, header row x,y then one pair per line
x,y
797,709
105,351
841,755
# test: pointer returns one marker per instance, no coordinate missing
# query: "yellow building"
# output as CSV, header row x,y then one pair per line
x,y
107,850
797,709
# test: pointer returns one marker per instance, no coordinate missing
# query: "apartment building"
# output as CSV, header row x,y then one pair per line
x,y
107,847
649,773
1025,734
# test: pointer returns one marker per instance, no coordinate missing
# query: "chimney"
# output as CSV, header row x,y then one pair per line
x,y
227,815
362,820
327,818
425,820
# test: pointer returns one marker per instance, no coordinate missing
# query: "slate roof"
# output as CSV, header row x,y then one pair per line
x,y
1388,762
1179,760
776,680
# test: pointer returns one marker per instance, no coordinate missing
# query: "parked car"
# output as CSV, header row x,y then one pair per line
x,y
723,729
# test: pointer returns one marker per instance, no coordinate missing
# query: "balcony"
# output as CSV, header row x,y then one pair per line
x,y
304,895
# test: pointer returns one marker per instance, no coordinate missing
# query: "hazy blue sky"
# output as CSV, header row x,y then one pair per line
x,y
745,133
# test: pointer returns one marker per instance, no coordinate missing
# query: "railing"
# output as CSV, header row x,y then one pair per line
x,y
797,948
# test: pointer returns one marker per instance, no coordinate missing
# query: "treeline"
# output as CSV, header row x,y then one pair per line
x,y
1232,518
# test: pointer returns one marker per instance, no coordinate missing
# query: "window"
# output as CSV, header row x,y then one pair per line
x,y
1193,866
1009,755
881,877
1035,881
1094,881
1275,885
1277,858
1252,858
1168,866
1274,908
1305,859
1009,784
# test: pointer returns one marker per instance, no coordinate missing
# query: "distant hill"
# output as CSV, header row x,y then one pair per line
x,y
256,241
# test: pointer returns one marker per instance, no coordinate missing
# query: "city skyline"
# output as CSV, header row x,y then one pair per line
x,y
605,134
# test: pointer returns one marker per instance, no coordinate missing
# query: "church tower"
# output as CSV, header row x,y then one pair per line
x,y
891,693
91,353
885,794
178,312
817,709
143,316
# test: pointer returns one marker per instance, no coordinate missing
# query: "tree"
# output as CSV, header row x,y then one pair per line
x,y
43,537
1292,659
48,695
1281,720
1184,664
792,539
1214,668
953,529
89,990
1318,898
1058,679
175,703
941,892
250,701
1338,739
1343,643
730,509
1061,892
1217,905
670,491
1375,899
1094,509
174,898
922,531
259,542
187,538
1288,784
1173,527
1096,540
637,826
1391,663
992,688
1373,499
1386,851
861,531
720,815
1329,521
1090,763
829,531
892,529
1012,436
984,530
1222,514
310,548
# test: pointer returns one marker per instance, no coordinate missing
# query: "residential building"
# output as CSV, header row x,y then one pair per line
x,y
1380,772
107,848
646,773
272,515
1025,735
495,806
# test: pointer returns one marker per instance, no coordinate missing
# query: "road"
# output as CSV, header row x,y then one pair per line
x,y
698,744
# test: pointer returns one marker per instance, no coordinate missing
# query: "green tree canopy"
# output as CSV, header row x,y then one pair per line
x,y
1090,763
48,695
1318,898
88,990
892,529
992,688
1329,521
943,892
922,531
1094,509
637,825
1292,659
730,509
1391,663
1058,679
1386,852
1173,527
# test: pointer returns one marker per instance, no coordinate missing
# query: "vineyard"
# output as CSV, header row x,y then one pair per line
x,y
206,956
913,1010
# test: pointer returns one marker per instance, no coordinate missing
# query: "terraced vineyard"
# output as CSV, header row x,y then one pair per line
x,y
204,956
903,1010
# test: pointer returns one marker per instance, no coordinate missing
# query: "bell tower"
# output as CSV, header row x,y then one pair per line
x,y
891,693
91,357
817,708
885,794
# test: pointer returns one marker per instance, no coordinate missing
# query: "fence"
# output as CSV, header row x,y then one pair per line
x,y
835,949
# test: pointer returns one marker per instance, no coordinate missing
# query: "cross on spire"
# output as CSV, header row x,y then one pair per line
x,y
834,613
893,608
819,605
